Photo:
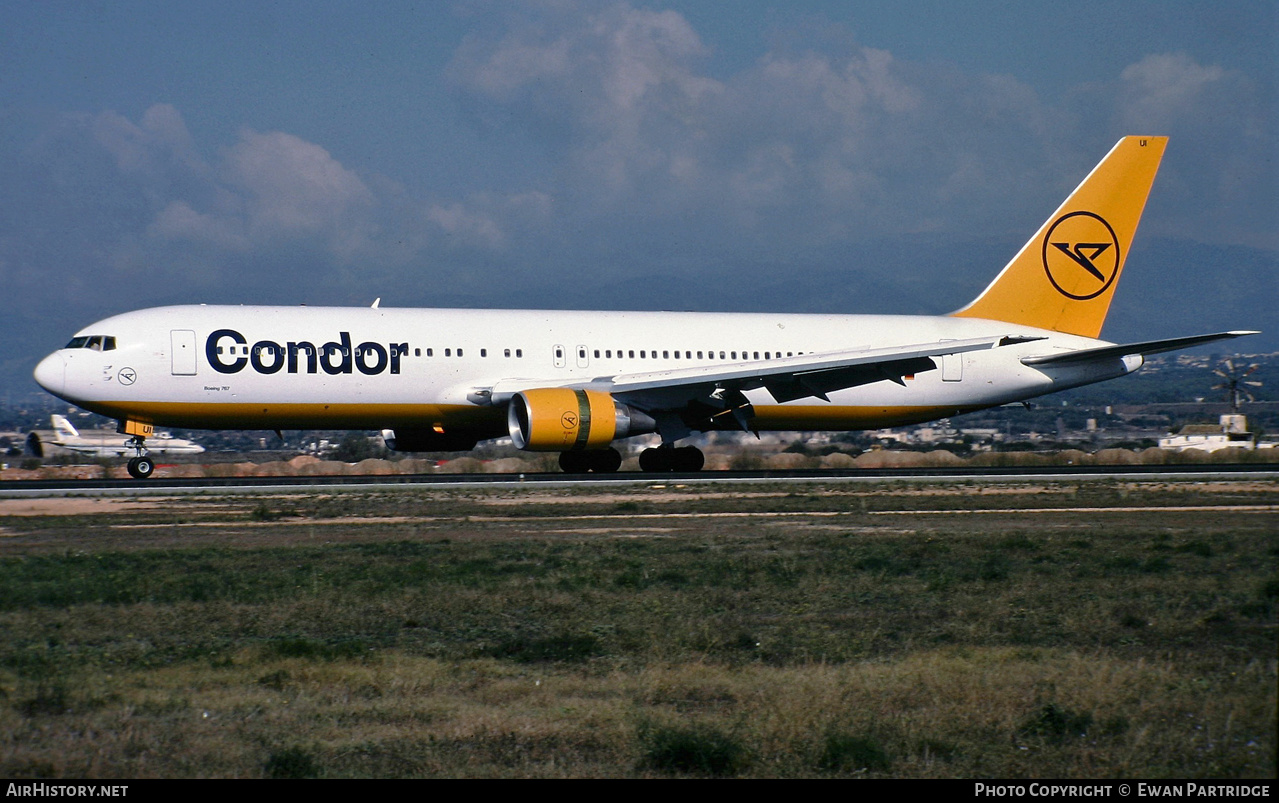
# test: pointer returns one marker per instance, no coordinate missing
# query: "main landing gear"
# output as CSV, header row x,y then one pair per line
x,y
140,467
666,458
601,461
663,459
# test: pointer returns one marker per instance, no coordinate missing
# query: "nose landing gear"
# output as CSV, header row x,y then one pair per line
x,y
140,466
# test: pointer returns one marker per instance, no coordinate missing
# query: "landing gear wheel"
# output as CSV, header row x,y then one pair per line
x,y
669,458
574,462
607,461
655,460
601,461
141,467
689,458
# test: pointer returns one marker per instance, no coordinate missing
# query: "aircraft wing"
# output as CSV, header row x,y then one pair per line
x,y
719,389
788,378
1127,349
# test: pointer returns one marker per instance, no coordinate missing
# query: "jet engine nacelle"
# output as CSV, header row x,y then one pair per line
x,y
426,440
562,420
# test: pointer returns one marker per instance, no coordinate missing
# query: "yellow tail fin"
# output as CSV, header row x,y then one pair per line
x,y
1064,278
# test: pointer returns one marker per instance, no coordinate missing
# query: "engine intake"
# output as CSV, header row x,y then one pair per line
x,y
562,420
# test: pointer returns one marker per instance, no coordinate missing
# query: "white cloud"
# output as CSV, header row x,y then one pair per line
x,y
798,145
485,220
614,87
1160,89
468,226
293,188
819,147
161,136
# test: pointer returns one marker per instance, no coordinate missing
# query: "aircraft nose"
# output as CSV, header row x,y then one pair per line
x,y
51,374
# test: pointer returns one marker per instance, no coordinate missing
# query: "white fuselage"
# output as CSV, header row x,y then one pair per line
x,y
249,367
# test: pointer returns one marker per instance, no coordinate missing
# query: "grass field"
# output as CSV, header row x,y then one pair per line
x,y
1090,628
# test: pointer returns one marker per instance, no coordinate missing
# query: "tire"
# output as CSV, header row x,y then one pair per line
x,y
688,458
655,460
141,467
605,461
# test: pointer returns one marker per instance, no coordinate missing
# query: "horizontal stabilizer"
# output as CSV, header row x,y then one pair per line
x,y
1148,347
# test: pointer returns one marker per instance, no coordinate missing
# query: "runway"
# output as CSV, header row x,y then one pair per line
x,y
106,487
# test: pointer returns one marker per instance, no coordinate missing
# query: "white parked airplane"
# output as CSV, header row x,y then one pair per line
x,y
98,443
575,382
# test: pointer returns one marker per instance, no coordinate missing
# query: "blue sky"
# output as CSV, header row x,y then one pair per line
x,y
434,152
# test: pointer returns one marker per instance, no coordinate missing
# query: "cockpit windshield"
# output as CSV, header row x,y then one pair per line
x,y
94,342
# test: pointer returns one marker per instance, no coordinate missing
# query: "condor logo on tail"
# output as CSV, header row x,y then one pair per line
x,y
1081,255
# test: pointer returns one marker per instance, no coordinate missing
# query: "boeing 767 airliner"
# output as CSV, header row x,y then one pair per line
x,y
575,382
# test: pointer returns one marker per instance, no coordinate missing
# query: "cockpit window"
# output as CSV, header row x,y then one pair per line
x,y
95,342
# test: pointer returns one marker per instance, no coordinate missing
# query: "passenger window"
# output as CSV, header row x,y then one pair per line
x,y
506,352
666,355
484,352
459,352
448,352
519,353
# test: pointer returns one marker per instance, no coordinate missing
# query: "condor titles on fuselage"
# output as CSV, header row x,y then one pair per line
x,y
576,382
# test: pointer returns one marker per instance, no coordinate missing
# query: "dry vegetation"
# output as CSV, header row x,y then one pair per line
x,y
1081,629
